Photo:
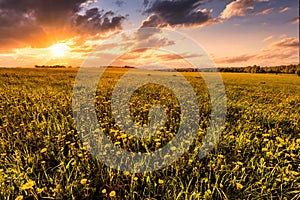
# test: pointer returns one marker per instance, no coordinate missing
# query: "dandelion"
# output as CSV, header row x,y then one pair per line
x,y
83,181
28,185
239,163
19,197
173,148
280,140
266,135
135,178
39,190
264,149
112,194
160,181
208,192
43,150
239,186
269,154
103,191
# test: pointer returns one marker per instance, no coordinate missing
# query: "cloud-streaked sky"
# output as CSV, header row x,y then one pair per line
x,y
233,32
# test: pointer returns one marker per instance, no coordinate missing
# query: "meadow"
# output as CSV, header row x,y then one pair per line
x,y
42,156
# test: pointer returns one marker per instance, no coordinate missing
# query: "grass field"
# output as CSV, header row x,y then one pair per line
x,y
42,157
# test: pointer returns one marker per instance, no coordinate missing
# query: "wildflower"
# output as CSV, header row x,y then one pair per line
x,y
266,135
135,178
112,194
173,148
280,140
239,163
264,149
126,173
239,186
269,154
19,197
160,181
83,181
28,185
103,191
208,192
43,150
39,190
298,141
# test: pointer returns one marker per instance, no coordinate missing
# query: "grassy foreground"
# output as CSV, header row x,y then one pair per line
x,y
42,157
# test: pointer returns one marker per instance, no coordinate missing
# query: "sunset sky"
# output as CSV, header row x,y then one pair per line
x,y
233,32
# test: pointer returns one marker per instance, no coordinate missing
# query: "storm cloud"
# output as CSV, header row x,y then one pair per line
x,y
176,13
34,22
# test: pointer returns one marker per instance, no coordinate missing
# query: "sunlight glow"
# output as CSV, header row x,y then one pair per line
x,y
59,50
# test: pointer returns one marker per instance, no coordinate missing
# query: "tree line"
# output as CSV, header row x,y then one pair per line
x,y
50,66
282,69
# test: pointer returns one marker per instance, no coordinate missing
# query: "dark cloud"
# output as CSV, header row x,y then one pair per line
x,y
95,21
146,2
119,3
39,22
50,12
176,13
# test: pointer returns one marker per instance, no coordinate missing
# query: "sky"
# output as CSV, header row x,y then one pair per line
x,y
230,33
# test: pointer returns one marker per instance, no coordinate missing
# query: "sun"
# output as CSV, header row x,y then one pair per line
x,y
59,50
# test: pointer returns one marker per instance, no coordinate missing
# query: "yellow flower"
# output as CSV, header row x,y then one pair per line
x,y
298,141
239,163
280,140
160,181
173,148
103,191
28,185
39,190
266,135
19,197
239,186
264,149
83,181
269,154
43,150
208,192
135,178
112,194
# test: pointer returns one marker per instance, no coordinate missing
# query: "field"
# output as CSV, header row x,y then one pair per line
x,y
42,156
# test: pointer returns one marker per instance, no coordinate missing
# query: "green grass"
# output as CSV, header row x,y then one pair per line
x,y
257,156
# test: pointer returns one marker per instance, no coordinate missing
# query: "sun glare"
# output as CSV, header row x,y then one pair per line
x,y
59,50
